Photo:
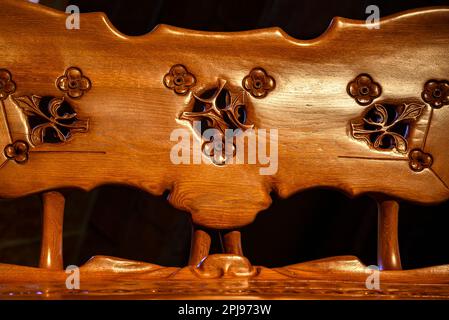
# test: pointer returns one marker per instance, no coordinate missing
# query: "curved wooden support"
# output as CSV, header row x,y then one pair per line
x,y
53,217
218,266
388,257
233,243
225,276
200,247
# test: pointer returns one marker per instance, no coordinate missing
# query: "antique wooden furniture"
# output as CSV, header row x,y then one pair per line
x,y
363,110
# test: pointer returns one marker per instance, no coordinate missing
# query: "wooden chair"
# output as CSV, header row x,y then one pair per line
x,y
357,109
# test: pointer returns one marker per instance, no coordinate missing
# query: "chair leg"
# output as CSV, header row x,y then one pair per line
x,y
200,247
233,243
388,257
53,217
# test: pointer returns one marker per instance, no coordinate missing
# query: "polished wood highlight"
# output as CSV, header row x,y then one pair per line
x,y
52,223
132,113
388,257
340,111
225,277
200,247
233,243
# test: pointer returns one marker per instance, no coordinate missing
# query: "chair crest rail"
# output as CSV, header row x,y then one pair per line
x,y
357,109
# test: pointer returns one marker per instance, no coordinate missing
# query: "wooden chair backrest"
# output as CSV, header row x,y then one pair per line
x,y
359,109
126,117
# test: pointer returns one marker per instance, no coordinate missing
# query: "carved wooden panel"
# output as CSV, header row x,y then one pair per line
x,y
341,111
356,118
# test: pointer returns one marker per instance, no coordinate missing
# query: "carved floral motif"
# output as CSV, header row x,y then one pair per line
x,y
7,86
179,79
48,119
221,108
386,127
258,83
17,151
436,93
419,160
74,83
51,120
363,89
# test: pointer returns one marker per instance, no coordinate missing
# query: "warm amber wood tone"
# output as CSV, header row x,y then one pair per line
x,y
52,222
218,266
132,113
388,257
233,243
350,115
199,248
225,277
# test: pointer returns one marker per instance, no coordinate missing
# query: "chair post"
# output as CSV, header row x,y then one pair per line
x,y
200,247
53,217
388,257
233,243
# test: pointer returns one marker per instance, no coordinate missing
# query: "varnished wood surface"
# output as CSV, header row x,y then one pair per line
x,y
233,243
388,256
333,100
200,247
332,278
52,223
126,112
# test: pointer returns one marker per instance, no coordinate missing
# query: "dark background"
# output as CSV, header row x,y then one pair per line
x,y
128,223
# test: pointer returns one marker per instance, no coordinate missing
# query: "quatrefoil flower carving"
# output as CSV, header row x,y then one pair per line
x,y
50,120
363,89
17,151
436,93
386,127
74,83
179,79
7,86
419,160
258,83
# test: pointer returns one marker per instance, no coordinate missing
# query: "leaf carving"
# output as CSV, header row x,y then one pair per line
x,y
28,105
222,108
385,127
411,111
50,120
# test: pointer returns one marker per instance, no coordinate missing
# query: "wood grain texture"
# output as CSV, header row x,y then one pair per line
x,y
356,109
233,243
224,277
52,222
388,257
200,247
131,113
